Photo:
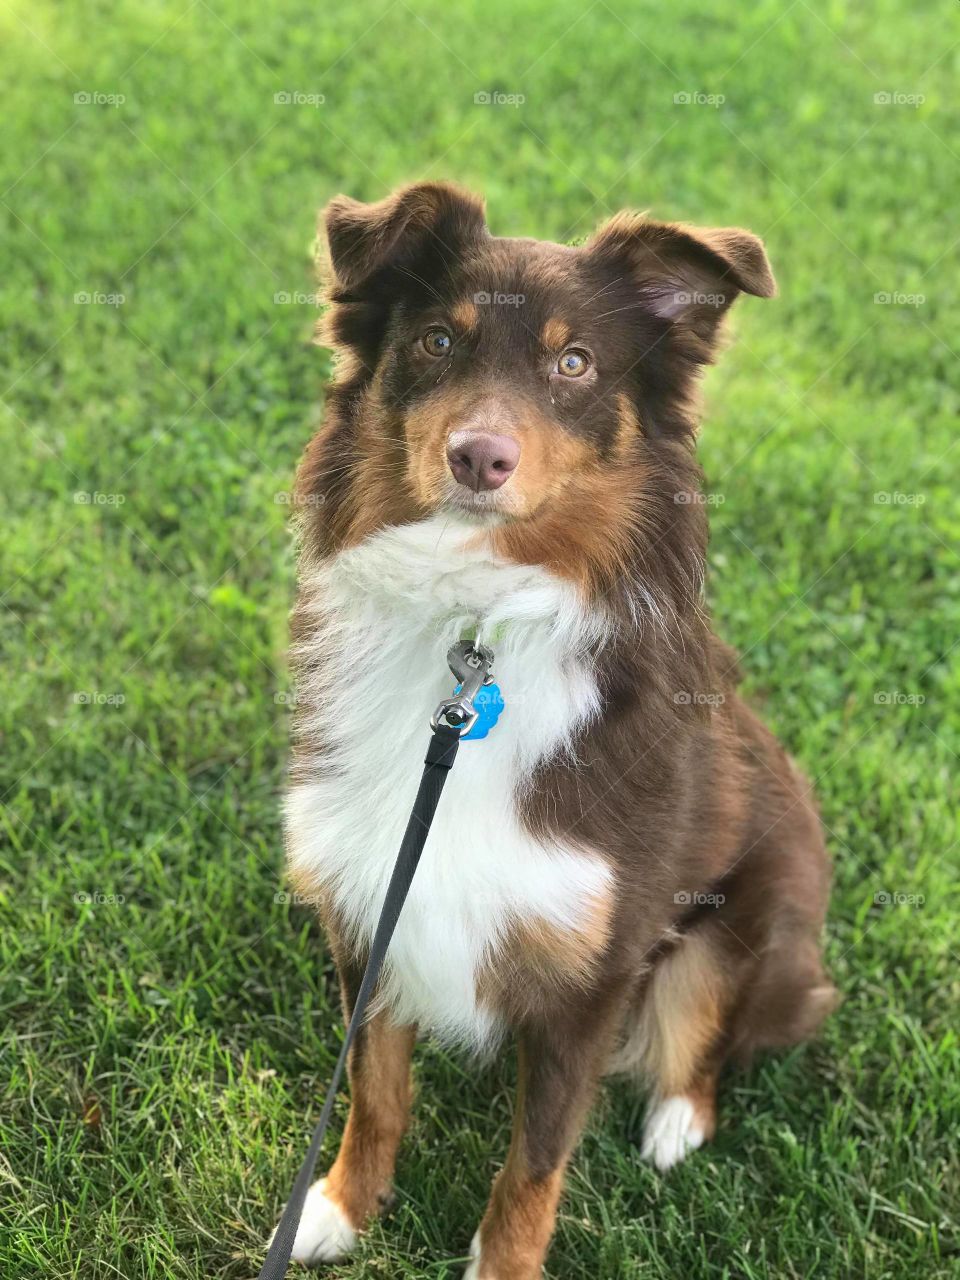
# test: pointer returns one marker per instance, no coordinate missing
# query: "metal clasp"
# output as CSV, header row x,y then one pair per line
x,y
471,664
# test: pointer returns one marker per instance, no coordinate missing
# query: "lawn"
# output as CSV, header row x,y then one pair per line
x,y
168,1019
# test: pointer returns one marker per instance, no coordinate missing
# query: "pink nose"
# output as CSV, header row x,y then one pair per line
x,y
481,460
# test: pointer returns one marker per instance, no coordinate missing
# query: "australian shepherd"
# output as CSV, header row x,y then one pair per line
x,y
628,873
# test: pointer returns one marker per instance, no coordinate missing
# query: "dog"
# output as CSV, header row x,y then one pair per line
x,y
628,874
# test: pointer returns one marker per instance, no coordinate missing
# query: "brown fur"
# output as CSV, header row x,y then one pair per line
x,y
709,948
360,1181
518,1224
554,1090
361,1178
556,334
560,958
464,314
592,549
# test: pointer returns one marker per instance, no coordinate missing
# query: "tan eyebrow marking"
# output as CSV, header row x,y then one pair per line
x,y
555,334
628,423
464,314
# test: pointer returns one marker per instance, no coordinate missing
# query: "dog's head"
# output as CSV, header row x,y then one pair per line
x,y
501,379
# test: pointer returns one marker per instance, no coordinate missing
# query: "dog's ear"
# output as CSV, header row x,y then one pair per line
x,y
687,275
365,239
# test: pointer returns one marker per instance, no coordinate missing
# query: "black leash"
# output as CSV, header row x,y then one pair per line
x,y
471,664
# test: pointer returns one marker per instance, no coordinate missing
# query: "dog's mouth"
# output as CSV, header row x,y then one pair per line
x,y
480,504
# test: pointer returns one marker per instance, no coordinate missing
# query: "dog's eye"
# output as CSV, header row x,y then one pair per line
x,y
573,363
437,342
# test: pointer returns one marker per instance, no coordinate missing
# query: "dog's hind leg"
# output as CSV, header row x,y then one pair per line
x,y
674,1041
711,1000
734,983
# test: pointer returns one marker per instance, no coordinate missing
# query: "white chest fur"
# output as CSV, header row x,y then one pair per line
x,y
386,612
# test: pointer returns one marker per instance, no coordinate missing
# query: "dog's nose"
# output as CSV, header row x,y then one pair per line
x,y
481,460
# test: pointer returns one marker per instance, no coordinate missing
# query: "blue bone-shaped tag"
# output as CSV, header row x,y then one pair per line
x,y
488,705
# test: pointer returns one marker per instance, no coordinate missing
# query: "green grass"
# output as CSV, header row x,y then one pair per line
x,y
164,1043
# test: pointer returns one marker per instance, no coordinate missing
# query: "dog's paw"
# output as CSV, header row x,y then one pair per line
x,y
324,1234
672,1130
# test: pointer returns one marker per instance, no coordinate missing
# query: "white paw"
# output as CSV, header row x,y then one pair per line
x,y
670,1132
473,1271
324,1234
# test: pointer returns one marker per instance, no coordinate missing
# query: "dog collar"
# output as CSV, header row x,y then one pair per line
x,y
470,635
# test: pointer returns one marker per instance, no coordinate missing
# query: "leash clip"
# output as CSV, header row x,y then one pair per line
x,y
471,663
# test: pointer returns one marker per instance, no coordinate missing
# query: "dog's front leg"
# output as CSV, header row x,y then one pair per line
x,y
360,1181
558,1067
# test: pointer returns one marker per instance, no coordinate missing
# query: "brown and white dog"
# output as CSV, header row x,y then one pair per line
x,y
628,874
